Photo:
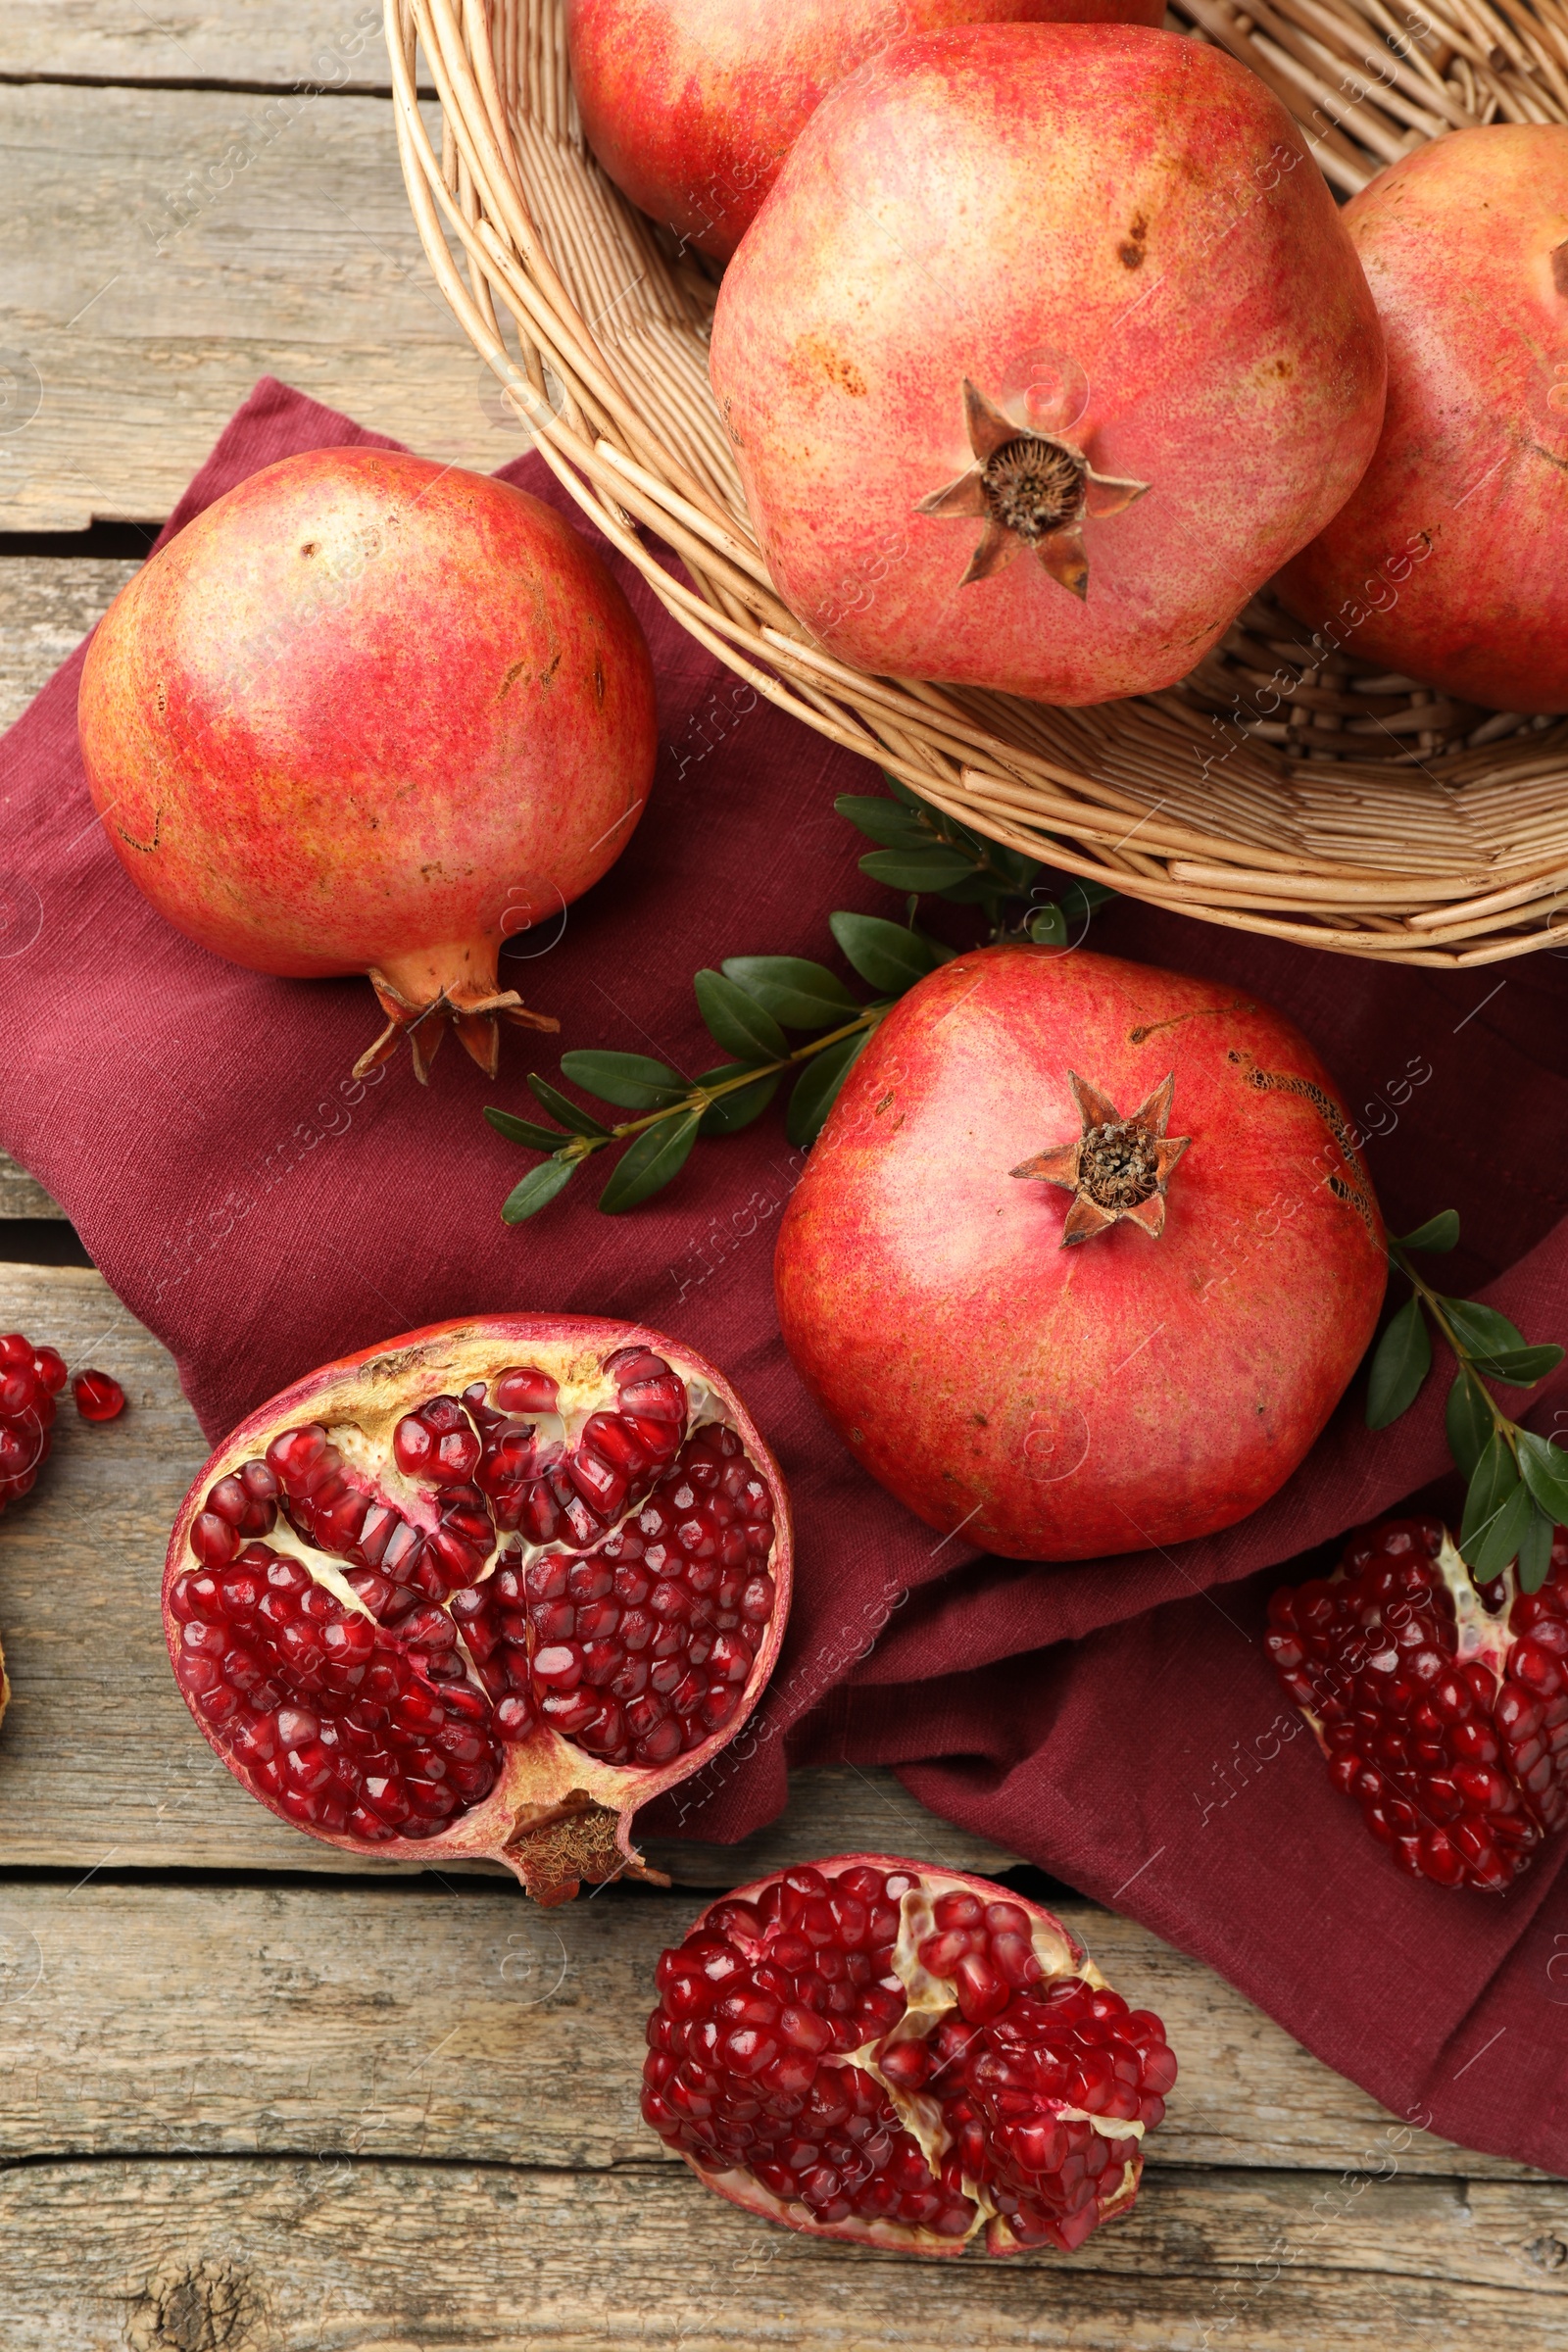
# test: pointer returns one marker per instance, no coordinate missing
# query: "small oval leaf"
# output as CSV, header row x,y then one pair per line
x,y
800,994
1534,1553
524,1131
649,1161
1469,1424
573,1120
539,1186
631,1081
1481,1329
1520,1368
816,1089
933,868
890,823
1438,1233
737,1021
890,955
733,1111
1545,1472
1048,927
1402,1362
1496,1500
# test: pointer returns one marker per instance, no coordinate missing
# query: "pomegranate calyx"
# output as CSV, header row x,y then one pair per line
x,y
1115,1167
472,1007
1031,489
555,1848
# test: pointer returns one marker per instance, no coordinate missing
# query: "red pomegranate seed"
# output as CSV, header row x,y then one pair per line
x,y
1459,1762
1043,2101
99,1397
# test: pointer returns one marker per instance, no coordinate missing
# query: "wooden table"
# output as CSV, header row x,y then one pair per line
x,y
252,2099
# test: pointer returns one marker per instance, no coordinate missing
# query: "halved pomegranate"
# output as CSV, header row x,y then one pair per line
x,y
483,1590
1442,1710
870,2049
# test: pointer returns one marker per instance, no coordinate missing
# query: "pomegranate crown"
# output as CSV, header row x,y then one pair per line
x,y
1114,1167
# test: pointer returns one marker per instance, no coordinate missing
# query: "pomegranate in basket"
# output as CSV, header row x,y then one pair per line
x,y
1047,349
1449,560
905,2057
692,105
483,1592
367,713
1084,1257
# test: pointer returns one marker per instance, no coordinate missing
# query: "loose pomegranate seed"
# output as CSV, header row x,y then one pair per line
x,y
99,1397
1443,1712
784,2053
636,1644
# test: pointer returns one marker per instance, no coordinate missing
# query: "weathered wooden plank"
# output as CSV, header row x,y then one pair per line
x,y
21,1195
165,248
415,2022
282,41
47,605
328,2257
80,1567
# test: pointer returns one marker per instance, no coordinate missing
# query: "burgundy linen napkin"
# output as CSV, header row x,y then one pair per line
x,y
1116,1721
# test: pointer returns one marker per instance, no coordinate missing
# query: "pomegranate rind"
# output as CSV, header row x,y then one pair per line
x,y
930,1997
546,1784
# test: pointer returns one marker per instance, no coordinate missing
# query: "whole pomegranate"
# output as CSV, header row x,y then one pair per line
x,y
1449,560
1071,293
1084,1257
871,2049
370,714
483,1592
1441,1709
692,105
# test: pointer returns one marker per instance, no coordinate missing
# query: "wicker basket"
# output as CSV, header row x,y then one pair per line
x,y
1327,804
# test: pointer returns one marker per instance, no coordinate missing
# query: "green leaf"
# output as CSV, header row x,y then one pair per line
x,y
1545,1472
631,1081
934,868
540,1185
1534,1553
890,823
1438,1233
737,1021
649,1161
523,1131
1402,1360
731,1112
1469,1424
1520,1368
890,955
1496,1509
801,995
1079,897
816,1089
1481,1329
1048,926
575,1121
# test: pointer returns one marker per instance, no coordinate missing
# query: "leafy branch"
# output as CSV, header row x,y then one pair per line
x,y
1518,1481
746,1006
926,852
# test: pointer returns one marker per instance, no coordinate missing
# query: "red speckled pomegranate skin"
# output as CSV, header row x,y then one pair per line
x,y
1450,562
1062,1403
1127,198
692,105
369,710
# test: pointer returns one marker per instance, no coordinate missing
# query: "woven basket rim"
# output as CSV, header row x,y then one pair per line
x,y
1445,843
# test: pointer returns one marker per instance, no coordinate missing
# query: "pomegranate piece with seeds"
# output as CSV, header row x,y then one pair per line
x,y
870,2049
381,1650
1441,1709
